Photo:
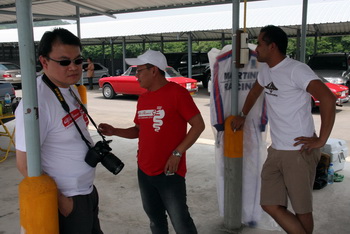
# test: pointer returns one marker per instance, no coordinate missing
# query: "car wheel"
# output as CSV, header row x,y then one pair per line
x,y
108,91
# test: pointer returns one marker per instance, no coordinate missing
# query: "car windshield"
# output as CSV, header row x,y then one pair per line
x,y
9,66
328,63
171,72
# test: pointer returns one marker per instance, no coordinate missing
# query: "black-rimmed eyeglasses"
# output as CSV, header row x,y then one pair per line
x,y
67,62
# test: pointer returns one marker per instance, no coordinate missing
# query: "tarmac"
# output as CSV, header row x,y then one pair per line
x,y
121,210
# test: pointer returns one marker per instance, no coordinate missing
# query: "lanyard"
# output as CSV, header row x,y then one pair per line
x,y
65,106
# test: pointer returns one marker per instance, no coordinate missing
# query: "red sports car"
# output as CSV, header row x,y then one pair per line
x,y
127,83
340,91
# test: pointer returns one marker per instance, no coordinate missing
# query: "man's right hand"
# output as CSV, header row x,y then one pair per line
x,y
106,129
65,204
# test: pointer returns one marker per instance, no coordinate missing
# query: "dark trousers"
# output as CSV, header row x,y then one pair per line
x,y
91,85
84,217
161,194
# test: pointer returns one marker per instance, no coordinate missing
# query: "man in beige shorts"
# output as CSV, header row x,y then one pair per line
x,y
290,167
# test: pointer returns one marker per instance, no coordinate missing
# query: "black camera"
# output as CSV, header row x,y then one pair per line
x,y
101,152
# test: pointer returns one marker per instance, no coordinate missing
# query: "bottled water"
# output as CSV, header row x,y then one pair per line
x,y
6,108
330,178
7,99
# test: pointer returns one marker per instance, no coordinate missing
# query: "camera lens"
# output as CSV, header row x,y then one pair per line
x,y
112,163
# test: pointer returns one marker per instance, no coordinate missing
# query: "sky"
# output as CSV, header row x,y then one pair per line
x,y
189,10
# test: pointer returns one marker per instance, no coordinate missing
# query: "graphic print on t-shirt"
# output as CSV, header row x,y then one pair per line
x,y
67,120
157,115
272,88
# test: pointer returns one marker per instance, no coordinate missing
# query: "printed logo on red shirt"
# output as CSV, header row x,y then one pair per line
x,y
157,116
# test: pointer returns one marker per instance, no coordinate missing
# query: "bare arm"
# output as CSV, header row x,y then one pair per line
x,y
108,130
197,127
21,160
327,112
253,95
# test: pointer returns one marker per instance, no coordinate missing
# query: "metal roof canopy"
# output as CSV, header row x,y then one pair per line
x,y
204,26
66,9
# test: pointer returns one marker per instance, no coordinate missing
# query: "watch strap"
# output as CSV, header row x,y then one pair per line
x,y
176,153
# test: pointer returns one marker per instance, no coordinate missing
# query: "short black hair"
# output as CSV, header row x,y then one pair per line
x,y
273,34
61,35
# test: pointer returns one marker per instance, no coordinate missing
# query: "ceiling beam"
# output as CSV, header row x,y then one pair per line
x,y
90,9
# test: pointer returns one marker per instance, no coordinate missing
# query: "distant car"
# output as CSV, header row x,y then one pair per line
x,y
127,83
200,65
4,89
334,67
39,70
340,91
10,73
99,72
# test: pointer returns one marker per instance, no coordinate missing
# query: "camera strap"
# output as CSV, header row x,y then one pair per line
x,y
65,106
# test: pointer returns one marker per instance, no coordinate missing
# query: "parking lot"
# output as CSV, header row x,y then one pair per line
x,y
120,204
121,110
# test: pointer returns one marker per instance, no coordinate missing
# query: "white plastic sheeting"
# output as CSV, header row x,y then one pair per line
x,y
254,137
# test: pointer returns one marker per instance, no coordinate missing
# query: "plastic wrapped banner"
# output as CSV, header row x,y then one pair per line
x,y
254,137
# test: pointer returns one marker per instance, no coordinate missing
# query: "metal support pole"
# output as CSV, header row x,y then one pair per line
x,y
298,45
37,188
124,54
303,33
162,44
112,57
103,53
222,39
315,43
233,166
77,12
29,92
189,52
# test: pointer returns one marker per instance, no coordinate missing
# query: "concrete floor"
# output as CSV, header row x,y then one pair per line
x,y
120,204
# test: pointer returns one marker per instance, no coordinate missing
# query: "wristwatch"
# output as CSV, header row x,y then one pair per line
x,y
242,114
177,153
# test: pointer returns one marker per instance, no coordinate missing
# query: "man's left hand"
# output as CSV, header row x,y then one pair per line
x,y
309,143
172,164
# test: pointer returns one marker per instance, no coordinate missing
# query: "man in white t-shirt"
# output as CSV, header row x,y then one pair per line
x,y
289,170
62,148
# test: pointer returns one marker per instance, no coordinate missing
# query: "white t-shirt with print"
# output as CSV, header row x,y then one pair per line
x,y
288,102
62,148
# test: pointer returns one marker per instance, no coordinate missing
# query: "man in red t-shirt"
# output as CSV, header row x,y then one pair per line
x,y
161,119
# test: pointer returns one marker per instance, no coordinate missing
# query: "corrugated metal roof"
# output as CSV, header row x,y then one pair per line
x,y
42,9
335,20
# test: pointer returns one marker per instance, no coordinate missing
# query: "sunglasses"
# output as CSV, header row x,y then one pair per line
x,y
67,62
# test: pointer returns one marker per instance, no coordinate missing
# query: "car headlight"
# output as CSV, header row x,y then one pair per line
x,y
339,81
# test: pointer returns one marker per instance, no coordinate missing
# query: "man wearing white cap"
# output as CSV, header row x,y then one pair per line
x,y
161,126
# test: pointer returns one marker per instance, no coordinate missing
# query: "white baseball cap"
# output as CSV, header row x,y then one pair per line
x,y
153,57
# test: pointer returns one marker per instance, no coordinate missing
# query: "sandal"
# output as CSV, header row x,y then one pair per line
x,y
338,177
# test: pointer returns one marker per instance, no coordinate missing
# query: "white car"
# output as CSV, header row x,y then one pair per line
x,y
99,72
10,73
